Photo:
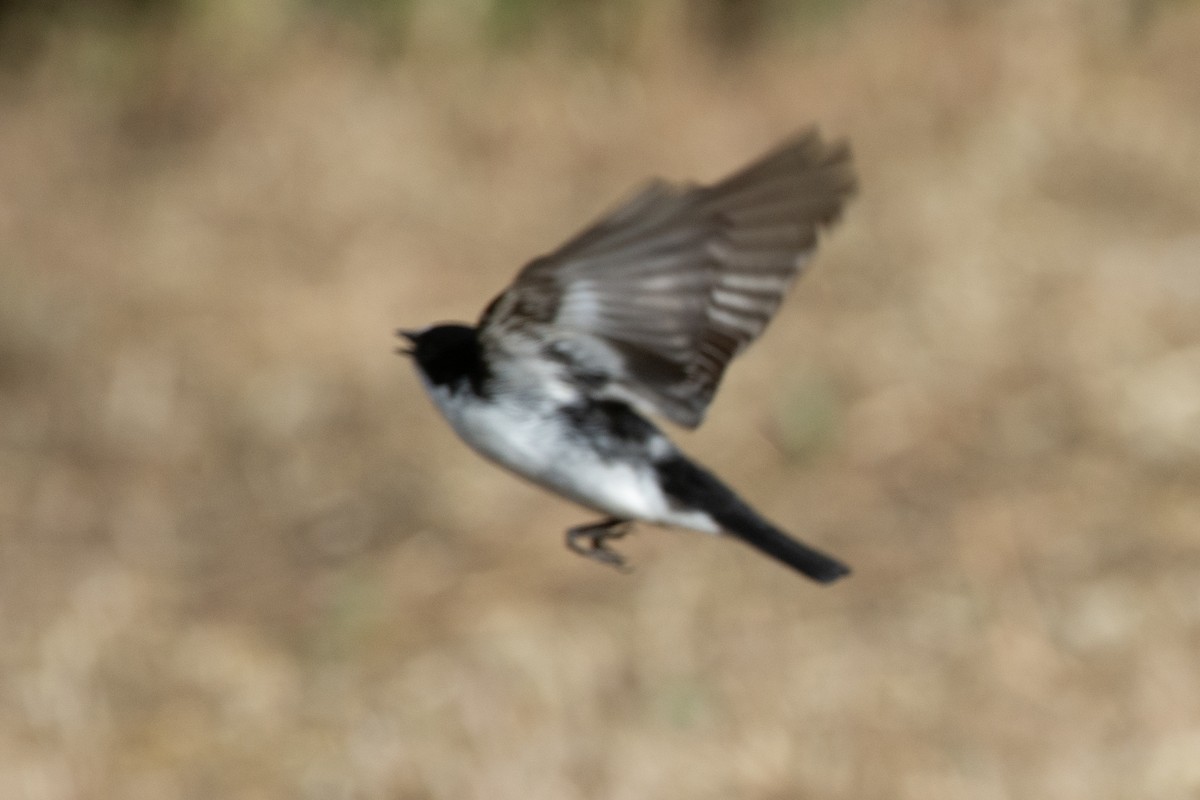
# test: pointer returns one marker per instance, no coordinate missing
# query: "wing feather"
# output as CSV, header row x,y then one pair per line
x,y
657,297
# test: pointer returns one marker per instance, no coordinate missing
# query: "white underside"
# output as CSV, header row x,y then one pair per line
x,y
528,438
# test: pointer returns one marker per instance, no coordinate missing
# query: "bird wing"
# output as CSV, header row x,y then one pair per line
x,y
652,302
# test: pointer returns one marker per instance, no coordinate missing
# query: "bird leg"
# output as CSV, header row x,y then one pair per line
x,y
591,540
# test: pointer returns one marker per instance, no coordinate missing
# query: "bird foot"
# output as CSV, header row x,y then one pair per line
x,y
591,541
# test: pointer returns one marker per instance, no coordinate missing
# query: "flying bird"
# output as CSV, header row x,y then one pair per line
x,y
638,316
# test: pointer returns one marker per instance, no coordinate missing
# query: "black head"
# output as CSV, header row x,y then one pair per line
x,y
448,355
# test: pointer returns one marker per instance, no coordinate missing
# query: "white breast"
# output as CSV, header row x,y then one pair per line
x,y
526,436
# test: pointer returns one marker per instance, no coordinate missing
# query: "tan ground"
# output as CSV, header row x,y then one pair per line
x,y
240,556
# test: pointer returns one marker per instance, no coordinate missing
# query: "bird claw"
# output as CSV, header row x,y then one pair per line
x,y
591,541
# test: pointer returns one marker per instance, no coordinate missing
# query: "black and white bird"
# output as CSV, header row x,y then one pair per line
x,y
639,315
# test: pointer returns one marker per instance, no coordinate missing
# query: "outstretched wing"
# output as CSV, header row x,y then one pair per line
x,y
652,302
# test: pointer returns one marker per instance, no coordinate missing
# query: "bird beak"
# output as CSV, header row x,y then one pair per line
x,y
411,336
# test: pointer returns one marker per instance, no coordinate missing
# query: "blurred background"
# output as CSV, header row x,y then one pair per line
x,y
241,556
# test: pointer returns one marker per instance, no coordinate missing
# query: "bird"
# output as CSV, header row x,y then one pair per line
x,y
633,318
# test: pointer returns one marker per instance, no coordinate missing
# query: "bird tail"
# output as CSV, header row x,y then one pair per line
x,y
695,487
760,534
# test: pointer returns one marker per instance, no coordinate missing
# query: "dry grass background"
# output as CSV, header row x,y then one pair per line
x,y
240,556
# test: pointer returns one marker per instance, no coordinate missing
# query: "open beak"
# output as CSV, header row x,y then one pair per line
x,y
411,336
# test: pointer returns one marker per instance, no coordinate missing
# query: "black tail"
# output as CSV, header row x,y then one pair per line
x,y
757,532
696,487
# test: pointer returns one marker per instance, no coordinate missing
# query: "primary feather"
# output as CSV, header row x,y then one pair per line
x,y
651,303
